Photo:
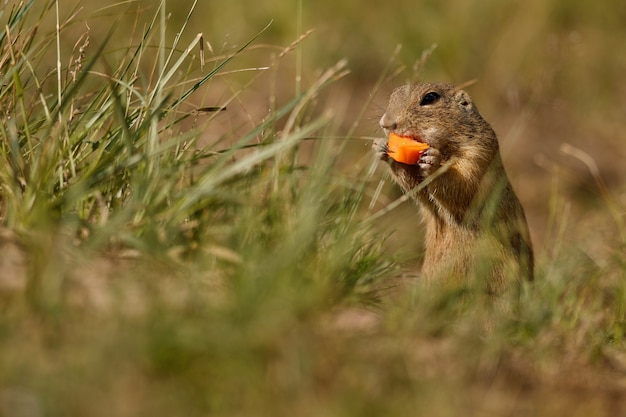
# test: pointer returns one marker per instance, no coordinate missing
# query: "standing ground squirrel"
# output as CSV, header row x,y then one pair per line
x,y
475,224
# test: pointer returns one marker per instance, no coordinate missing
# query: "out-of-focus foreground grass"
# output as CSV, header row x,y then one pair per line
x,y
189,223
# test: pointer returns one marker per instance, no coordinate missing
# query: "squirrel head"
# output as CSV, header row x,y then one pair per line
x,y
440,115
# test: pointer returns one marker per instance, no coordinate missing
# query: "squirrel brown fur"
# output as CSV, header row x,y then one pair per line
x,y
475,224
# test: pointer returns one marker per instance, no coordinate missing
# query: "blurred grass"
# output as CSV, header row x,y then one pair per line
x,y
164,256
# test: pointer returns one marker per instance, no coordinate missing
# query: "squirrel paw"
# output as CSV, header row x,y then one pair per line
x,y
429,162
381,149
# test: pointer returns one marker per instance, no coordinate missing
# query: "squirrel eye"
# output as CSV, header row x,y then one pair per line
x,y
429,98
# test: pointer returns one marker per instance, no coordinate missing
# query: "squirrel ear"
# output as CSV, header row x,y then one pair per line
x,y
463,99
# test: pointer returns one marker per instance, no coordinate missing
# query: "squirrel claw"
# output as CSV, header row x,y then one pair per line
x,y
380,147
429,162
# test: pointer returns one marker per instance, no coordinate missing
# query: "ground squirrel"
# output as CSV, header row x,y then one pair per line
x,y
475,224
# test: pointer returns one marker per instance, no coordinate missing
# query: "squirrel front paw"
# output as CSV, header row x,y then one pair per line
x,y
429,162
381,149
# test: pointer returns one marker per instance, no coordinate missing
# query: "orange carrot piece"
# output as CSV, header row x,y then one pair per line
x,y
404,149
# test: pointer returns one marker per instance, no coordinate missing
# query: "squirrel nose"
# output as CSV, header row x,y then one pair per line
x,y
387,124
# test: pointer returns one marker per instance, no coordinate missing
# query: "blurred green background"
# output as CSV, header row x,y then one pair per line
x,y
153,339
547,73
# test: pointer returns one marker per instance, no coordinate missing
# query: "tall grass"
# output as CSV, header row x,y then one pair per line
x,y
148,271
115,206
105,158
